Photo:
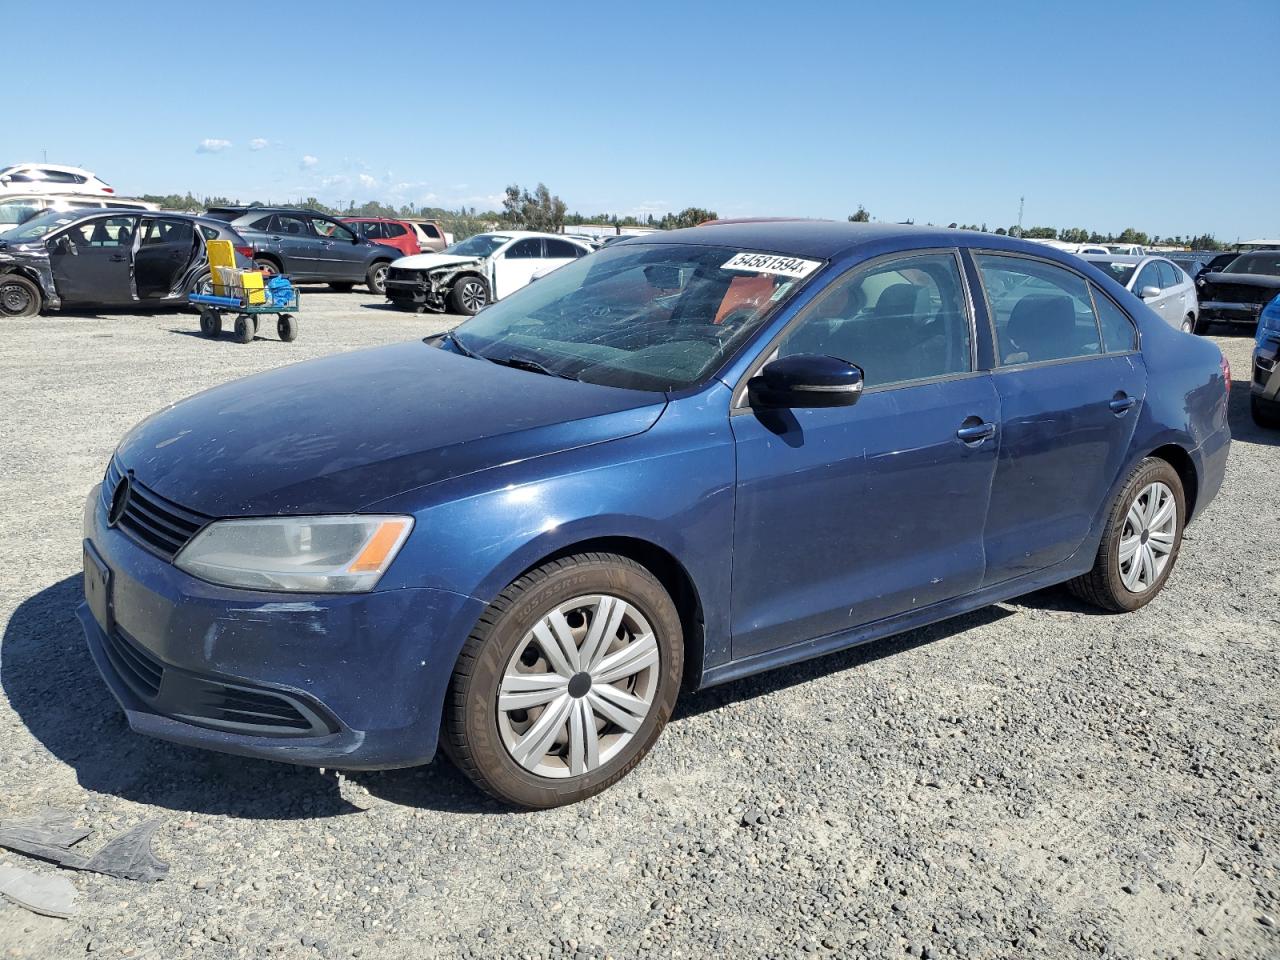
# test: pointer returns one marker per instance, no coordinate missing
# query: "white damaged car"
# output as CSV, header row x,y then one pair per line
x,y
468,275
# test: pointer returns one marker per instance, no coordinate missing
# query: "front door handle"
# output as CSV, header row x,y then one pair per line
x,y
975,432
118,258
1121,403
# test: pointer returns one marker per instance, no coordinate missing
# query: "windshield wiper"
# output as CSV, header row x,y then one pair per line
x,y
525,363
466,352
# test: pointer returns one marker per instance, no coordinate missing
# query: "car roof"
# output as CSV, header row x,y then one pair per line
x,y
830,239
62,167
1119,257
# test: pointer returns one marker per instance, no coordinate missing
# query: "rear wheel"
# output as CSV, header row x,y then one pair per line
x,y
246,328
468,296
19,297
1141,540
1265,413
268,266
376,279
342,287
287,327
566,682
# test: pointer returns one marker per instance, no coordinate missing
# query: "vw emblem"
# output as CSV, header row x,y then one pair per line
x,y
119,501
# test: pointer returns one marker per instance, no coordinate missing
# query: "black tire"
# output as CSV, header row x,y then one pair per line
x,y
470,731
1265,413
345,286
1201,327
19,297
287,327
470,294
376,278
246,328
1103,586
267,266
405,303
211,323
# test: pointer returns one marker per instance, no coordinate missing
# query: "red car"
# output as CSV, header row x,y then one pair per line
x,y
392,233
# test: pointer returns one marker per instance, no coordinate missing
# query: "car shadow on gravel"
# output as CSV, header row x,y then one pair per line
x,y
1243,428
53,686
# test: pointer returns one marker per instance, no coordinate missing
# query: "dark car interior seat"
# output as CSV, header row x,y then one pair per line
x,y
1041,326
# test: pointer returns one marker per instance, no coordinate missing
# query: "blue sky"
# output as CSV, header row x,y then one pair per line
x,y
1103,115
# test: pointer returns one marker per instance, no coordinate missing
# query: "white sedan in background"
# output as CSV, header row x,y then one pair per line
x,y
1162,284
468,275
52,178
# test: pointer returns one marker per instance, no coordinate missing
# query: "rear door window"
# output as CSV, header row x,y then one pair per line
x,y
391,230
431,232
562,250
1041,311
1118,332
1169,276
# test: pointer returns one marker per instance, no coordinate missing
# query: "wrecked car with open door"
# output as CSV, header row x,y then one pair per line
x,y
110,258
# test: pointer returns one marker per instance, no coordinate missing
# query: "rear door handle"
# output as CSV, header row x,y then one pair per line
x,y
1121,403
974,432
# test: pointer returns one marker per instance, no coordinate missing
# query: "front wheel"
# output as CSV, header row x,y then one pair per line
x,y
376,279
566,682
19,297
1264,413
469,296
1140,543
268,267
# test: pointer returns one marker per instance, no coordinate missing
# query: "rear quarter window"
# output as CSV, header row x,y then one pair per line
x,y
1118,332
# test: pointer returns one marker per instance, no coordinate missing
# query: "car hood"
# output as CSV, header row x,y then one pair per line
x,y
343,432
1243,279
429,261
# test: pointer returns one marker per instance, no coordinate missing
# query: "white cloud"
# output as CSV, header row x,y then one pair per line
x,y
259,143
308,161
368,181
212,145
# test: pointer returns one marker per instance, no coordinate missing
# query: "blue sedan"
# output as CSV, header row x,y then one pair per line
x,y
684,459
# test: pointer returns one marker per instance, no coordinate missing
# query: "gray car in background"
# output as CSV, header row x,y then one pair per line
x,y
309,246
1160,283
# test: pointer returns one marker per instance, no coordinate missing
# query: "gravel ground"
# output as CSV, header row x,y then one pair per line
x,y
1031,780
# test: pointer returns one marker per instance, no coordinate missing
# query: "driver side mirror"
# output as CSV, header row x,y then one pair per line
x,y
1149,293
806,380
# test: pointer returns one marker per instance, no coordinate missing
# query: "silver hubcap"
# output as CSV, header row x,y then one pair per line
x,y
579,686
1186,325
14,298
472,295
1146,541
379,276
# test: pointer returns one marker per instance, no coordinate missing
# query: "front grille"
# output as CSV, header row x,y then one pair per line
x,y
401,274
1236,293
138,669
153,521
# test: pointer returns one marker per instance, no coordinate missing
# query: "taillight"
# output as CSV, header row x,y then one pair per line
x,y
246,252
1226,372
108,189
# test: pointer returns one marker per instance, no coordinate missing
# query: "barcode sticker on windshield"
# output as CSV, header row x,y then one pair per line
x,y
772,263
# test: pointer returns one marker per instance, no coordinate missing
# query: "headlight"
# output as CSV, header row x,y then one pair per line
x,y
311,554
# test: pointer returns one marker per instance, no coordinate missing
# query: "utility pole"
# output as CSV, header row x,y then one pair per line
x,y
1021,202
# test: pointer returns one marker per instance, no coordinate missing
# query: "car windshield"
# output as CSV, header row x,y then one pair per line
x,y
481,245
1261,264
1119,272
37,227
643,316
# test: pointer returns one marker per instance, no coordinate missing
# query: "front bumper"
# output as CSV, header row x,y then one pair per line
x,y
1220,311
1265,383
416,291
354,681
